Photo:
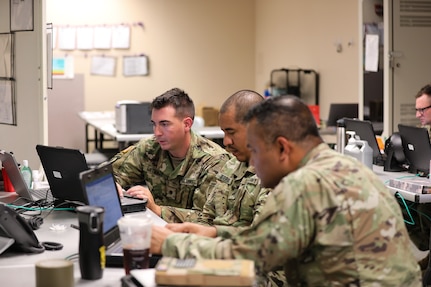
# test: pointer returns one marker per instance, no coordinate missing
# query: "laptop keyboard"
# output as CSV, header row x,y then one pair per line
x,y
117,248
43,193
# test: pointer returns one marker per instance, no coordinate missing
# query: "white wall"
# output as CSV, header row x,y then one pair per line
x,y
302,34
204,47
209,48
190,45
22,138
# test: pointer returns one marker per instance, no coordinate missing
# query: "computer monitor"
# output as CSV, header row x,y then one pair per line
x,y
339,111
417,148
365,131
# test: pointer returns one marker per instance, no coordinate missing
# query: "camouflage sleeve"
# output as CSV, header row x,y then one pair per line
x,y
226,231
208,212
177,245
269,241
208,172
178,215
260,202
126,165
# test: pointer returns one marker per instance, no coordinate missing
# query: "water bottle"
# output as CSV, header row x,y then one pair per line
x,y
91,244
26,173
341,136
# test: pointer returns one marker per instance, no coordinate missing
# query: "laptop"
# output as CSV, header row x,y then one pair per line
x,y
339,111
365,131
62,167
29,195
100,190
417,148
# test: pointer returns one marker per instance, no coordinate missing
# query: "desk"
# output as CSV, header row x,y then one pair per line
x,y
385,176
104,125
19,269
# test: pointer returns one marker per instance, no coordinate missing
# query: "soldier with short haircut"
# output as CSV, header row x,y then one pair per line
x,y
329,220
173,168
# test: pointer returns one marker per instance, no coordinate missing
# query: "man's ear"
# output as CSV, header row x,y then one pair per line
x,y
284,146
188,122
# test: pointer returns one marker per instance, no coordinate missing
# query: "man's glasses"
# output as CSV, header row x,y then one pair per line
x,y
422,110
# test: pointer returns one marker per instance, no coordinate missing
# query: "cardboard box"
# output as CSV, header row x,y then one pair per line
x,y
204,272
210,116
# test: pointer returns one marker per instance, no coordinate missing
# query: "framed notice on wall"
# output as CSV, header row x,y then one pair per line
x,y
21,15
6,55
7,102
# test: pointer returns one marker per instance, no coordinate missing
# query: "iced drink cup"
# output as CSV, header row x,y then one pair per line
x,y
135,232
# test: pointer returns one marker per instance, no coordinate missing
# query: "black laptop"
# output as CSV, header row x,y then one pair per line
x,y
100,190
62,167
365,131
417,148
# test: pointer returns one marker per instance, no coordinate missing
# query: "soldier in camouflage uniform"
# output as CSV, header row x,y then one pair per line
x,y
329,221
235,197
420,232
174,168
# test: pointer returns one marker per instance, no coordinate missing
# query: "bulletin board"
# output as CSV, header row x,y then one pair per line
x,y
7,80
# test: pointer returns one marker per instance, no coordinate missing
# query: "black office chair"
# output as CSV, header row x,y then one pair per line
x,y
395,158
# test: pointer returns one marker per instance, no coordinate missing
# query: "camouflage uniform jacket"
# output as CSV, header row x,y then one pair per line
x,y
332,222
181,190
234,199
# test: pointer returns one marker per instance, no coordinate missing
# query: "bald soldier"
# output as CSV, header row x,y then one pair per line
x,y
329,220
236,197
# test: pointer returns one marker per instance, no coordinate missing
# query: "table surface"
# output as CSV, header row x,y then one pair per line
x,y
105,123
57,228
18,269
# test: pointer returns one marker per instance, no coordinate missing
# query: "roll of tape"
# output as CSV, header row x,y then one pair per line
x,y
54,272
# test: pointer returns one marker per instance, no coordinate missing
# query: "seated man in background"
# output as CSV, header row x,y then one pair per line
x,y
420,232
235,197
173,167
329,220
423,105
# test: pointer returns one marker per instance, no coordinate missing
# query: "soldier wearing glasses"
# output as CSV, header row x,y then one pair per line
x,y
423,105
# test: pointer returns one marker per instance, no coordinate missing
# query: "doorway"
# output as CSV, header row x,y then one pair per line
x,y
409,57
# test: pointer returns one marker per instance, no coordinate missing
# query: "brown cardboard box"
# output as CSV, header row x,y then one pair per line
x,y
210,116
205,272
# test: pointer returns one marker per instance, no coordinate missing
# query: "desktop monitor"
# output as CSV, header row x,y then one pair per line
x,y
339,111
365,131
417,148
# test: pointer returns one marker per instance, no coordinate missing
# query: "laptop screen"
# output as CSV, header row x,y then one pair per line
x,y
365,131
62,167
417,148
102,191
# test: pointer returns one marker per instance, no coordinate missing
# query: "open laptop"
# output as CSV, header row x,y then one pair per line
x,y
100,190
417,148
365,131
31,195
62,167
